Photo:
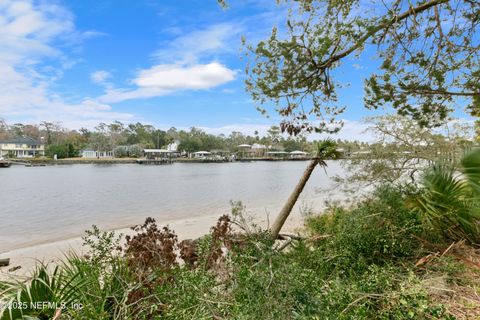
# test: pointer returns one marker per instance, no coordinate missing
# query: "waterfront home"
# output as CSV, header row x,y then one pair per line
x,y
21,147
258,150
243,150
201,154
297,154
89,153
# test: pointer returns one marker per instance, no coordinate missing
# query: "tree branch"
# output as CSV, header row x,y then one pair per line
x,y
381,26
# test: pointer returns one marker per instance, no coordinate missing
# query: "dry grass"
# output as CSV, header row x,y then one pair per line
x,y
460,293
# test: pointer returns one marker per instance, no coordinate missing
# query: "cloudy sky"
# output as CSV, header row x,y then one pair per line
x,y
167,63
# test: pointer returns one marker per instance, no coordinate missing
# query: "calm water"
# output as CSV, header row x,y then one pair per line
x,y
39,204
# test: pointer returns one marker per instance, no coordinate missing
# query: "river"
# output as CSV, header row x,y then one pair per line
x,y
43,204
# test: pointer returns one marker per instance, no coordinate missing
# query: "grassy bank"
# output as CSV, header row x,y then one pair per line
x,y
404,252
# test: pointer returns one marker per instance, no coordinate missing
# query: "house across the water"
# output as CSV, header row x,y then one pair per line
x,y
88,153
21,147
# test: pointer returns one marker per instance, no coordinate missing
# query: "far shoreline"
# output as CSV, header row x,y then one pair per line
x,y
66,161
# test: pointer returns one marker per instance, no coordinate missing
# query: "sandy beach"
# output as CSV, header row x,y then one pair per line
x,y
191,228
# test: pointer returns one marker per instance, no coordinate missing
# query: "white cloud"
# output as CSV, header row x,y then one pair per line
x,y
180,65
164,79
173,77
191,46
100,76
31,34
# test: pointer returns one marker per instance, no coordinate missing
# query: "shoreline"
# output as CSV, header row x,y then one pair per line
x,y
67,161
185,228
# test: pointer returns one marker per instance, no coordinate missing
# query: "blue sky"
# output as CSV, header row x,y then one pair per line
x,y
167,63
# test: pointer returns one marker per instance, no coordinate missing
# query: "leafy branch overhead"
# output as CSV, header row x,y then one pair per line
x,y
428,54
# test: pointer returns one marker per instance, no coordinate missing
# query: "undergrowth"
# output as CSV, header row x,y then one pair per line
x,y
367,261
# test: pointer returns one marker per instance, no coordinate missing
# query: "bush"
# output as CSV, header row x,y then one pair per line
x,y
449,202
376,230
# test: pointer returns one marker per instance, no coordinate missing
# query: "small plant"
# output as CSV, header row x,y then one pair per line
x,y
151,249
42,296
101,245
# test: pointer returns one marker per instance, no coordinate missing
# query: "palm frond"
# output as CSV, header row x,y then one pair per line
x,y
448,201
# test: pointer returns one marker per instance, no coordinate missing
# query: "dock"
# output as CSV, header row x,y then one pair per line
x,y
155,161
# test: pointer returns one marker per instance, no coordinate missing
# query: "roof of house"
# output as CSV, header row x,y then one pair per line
x,y
22,140
258,146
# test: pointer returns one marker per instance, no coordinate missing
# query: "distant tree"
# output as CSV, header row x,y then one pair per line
x,y
402,150
274,135
62,150
99,141
115,131
53,131
291,144
32,131
4,129
17,129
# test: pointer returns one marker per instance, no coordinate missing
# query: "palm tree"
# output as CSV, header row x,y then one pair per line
x,y
450,199
325,150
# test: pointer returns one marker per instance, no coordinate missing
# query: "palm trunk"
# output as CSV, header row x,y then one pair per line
x,y
287,208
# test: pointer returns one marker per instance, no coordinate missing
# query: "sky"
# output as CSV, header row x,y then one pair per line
x,y
162,62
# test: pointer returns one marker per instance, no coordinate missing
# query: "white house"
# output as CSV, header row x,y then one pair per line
x,y
21,147
297,154
201,154
173,147
89,153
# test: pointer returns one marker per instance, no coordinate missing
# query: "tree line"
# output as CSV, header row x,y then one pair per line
x,y
130,139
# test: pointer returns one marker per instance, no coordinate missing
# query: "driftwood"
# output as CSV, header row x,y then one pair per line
x,y
4,262
285,236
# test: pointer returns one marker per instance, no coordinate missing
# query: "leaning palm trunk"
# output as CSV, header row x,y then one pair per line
x,y
287,208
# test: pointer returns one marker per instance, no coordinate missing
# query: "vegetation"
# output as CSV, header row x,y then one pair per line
x,y
381,258
417,43
450,201
407,251
402,149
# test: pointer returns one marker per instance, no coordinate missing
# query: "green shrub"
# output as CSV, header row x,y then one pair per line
x,y
449,203
376,230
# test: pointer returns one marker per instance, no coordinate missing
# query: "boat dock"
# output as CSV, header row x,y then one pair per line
x,y
155,161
